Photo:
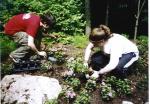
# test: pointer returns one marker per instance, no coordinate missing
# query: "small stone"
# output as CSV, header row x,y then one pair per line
x,y
127,102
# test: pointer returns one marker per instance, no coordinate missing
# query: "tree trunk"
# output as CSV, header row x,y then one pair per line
x,y
137,20
107,13
140,7
88,15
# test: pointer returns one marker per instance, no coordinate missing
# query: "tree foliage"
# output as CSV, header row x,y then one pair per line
x,y
69,14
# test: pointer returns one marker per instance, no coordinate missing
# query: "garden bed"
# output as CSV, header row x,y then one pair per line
x,y
90,92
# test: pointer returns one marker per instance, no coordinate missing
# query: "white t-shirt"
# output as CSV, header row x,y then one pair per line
x,y
116,46
119,44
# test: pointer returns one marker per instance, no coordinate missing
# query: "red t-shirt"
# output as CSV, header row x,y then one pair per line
x,y
28,23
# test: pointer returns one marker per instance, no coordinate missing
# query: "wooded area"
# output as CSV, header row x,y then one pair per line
x,y
123,16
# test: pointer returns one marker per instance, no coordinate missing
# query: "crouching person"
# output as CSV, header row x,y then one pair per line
x,y
116,53
24,29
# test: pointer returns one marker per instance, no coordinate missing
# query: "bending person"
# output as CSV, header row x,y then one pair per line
x,y
24,29
116,52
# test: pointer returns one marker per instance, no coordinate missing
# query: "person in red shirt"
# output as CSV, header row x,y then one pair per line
x,y
24,29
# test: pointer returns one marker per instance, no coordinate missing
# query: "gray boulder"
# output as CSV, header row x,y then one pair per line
x,y
27,89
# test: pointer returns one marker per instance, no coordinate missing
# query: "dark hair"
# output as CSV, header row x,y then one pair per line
x,y
49,19
98,34
97,37
105,28
101,33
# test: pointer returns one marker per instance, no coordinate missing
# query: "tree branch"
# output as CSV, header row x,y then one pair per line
x,y
142,7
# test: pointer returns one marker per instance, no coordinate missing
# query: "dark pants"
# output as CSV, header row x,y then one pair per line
x,y
100,60
21,38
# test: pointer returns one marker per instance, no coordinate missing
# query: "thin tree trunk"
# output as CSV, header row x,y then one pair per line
x,y
88,15
140,7
107,12
137,20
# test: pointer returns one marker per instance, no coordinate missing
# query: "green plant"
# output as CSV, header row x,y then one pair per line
x,y
6,69
107,93
60,37
83,98
74,82
143,83
62,97
59,55
79,41
46,65
67,95
142,63
6,46
90,85
142,43
121,86
77,65
52,101
69,13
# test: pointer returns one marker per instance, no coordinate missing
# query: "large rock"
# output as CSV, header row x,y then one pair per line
x,y
27,89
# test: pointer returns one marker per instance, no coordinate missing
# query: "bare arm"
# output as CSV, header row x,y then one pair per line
x,y
113,62
31,44
88,52
33,47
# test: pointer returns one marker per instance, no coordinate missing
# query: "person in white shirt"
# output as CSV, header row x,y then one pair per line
x,y
116,52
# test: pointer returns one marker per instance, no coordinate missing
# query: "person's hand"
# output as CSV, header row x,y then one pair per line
x,y
95,75
42,53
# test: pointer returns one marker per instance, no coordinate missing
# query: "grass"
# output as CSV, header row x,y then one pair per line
x,y
79,41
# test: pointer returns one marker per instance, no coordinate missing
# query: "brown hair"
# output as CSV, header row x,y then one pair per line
x,y
101,33
49,19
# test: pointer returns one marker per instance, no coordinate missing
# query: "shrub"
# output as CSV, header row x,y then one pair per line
x,y
142,63
69,14
6,46
143,83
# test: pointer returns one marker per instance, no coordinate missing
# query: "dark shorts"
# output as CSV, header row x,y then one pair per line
x,y
100,60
